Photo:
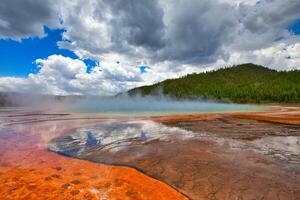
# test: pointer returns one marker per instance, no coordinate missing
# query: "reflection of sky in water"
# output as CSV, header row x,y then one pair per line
x,y
143,135
111,134
91,140
115,135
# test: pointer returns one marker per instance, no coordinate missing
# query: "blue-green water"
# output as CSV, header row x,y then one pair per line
x,y
154,106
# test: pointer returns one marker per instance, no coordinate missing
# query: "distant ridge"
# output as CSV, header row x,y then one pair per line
x,y
246,83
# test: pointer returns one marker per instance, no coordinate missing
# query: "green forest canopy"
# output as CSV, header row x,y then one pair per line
x,y
246,83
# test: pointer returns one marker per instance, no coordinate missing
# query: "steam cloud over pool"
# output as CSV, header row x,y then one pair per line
x,y
152,105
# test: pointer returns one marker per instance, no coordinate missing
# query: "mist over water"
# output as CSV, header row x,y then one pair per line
x,y
152,105
123,104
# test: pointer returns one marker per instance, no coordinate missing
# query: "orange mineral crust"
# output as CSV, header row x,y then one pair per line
x,y
29,171
278,114
275,114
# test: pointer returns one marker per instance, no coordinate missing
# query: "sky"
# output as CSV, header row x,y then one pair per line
x,y
104,47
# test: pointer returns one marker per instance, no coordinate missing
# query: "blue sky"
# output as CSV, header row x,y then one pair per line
x,y
17,57
295,27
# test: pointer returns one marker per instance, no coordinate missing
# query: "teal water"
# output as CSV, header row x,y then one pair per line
x,y
155,106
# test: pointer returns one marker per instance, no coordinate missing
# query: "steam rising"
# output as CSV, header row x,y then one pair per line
x,y
138,105
122,104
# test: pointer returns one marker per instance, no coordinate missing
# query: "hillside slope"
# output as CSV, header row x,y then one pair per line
x,y
247,83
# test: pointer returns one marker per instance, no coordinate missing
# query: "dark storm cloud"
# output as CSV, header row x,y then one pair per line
x,y
114,27
265,24
189,31
197,30
138,23
25,18
270,14
194,33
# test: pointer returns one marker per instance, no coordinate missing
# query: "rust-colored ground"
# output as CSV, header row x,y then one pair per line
x,y
276,114
29,171
224,158
279,114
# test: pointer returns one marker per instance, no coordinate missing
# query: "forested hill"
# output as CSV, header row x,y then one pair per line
x,y
247,83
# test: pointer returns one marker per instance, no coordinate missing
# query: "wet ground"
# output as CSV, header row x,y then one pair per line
x,y
207,156
217,159
29,171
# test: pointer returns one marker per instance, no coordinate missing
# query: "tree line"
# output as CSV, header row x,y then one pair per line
x,y
247,83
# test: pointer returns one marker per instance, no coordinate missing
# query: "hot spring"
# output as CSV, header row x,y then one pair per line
x,y
151,105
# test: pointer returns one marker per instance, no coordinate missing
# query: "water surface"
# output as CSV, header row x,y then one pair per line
x,y
150,106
